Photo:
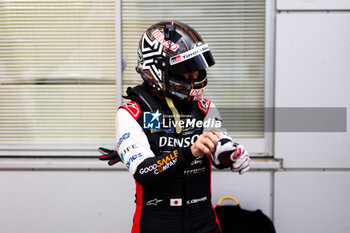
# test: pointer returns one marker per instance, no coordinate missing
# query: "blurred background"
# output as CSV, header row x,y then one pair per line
x,y
64,66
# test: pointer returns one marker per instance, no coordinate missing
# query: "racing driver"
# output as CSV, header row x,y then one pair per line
x,y
168,136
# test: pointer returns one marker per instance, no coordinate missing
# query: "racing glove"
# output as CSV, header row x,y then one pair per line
x,y
230,154
240,160
110,155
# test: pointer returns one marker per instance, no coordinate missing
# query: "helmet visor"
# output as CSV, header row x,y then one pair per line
x,y
198,58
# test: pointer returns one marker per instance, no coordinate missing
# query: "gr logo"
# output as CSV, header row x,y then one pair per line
x,y
151,120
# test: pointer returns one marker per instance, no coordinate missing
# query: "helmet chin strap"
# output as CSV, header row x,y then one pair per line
x,y
176,114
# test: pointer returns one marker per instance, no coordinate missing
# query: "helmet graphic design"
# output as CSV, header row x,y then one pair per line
x,y
169,49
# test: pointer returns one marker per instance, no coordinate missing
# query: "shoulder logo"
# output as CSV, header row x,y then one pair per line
x,y
204,105
133,108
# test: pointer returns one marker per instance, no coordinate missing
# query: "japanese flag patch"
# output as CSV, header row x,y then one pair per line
x,y
175,202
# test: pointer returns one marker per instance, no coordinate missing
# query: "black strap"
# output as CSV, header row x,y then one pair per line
x,y
142,95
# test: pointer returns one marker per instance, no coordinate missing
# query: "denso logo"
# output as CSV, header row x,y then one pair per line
x,y
177,142
160,37
197,91
132,159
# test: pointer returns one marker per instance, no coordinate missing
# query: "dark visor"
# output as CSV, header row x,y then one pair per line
x,y
195,59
